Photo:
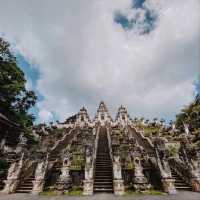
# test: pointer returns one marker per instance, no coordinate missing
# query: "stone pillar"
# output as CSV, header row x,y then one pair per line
x,y
168,185
88,187
118,181
89,181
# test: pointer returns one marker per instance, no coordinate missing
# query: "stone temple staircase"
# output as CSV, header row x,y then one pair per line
x,y
103,174
26,186
179,183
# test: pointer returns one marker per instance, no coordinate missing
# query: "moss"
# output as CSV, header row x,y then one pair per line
x,y
152,192
49,193
75,191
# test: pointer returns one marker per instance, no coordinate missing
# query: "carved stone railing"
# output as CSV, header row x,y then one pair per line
x,y
13,177
165,173
143,141
118,182
65,139
188,173
28,170
18,172
40,174
90,165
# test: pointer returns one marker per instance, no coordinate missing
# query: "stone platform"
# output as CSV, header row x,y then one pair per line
x,y
103,196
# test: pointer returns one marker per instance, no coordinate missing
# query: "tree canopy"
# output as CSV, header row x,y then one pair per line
x,y
15,99
190,114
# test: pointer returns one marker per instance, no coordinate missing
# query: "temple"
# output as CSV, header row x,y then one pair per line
x,y
98,155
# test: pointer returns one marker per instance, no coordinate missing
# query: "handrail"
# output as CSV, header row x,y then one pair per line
x,y
61,141
181,169
109,143
144,139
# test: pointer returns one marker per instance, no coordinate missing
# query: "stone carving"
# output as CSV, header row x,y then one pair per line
x,y
21,146
163,166
117,174
13,177
64,181
122,118
140,182
40,173
186,128
88,182
102,116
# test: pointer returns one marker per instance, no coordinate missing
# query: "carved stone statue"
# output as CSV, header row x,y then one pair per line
x,y
140,182
21,146
64,181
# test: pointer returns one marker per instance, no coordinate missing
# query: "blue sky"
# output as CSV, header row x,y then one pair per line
x,y
132,52
32,76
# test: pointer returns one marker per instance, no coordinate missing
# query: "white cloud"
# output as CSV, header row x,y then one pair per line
x,y
45,115
84,56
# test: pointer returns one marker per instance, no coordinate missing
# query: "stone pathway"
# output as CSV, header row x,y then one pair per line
x,y
179,196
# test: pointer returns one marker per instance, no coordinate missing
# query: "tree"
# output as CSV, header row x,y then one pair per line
x,y
190,114
15,99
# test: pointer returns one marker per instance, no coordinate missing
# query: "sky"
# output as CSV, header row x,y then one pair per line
x,y
144,54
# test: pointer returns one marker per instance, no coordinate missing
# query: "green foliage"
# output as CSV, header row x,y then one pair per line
x,y
15,100
173,150
74,191
149,130
50,192
3,164
190,114
197,145
77,162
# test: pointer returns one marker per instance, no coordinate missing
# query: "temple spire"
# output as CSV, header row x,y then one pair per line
x,y
102,114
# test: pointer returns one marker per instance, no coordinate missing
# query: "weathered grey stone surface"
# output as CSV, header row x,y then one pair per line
x,y
179,196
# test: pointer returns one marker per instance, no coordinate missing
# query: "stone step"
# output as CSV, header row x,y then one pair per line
x,y
103,179
103,172
107,190
103,169
103,187
184,188
103,182
23,191
26,188
104,165
179,183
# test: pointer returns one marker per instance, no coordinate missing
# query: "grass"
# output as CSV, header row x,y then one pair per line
x,y
49,193
146,192
74,191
